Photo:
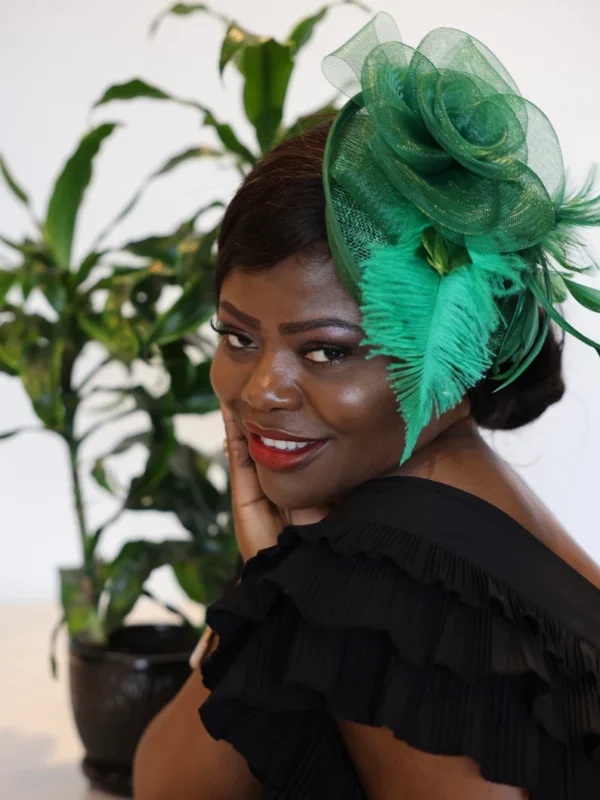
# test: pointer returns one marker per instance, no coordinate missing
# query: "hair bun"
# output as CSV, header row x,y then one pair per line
x,y
526,399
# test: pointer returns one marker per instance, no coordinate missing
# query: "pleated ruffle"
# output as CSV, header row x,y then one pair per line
x,y
378,626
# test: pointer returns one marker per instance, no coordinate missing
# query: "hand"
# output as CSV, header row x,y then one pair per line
x,y
258,522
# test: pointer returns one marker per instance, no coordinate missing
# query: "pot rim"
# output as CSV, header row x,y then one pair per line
x,y
78,646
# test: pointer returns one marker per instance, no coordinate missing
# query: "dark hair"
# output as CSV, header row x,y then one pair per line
x,y
279,211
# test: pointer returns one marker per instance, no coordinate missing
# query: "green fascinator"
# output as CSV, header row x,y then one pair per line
x,y
447,215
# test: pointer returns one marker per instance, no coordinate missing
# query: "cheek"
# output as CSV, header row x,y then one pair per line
x,y
225,379
366,404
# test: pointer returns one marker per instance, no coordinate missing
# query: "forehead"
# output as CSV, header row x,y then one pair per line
x,y
295,288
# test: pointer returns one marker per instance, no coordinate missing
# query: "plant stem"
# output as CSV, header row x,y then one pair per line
x,y
93,372
88,566
93,539
169,607
101,423
53,637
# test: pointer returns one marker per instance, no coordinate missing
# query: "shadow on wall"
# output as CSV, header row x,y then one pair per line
x,y
27,771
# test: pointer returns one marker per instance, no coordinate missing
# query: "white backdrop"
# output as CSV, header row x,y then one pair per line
x,y
57,57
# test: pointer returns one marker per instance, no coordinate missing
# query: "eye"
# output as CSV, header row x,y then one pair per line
x,y
234,340
326,355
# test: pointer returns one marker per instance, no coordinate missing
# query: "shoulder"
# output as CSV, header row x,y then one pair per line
x,y
416,608
411,520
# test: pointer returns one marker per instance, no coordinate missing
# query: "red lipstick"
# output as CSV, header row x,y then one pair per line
x,y
273,458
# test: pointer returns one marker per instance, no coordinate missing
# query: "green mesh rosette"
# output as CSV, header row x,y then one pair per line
x,y
447,215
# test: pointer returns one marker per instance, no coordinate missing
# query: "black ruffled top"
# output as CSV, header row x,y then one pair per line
x,y
418,607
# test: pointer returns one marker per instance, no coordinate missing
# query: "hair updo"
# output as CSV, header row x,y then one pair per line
x,y
279,211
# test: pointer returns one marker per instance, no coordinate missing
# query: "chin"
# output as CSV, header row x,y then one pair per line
x,y
294,490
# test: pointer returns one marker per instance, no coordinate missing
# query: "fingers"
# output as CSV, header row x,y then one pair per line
x,y
236,445
245,486
257,522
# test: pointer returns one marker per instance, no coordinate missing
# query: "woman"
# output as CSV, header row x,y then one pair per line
x,y
422,628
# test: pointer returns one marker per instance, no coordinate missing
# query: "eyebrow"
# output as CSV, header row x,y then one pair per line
x,y
293,327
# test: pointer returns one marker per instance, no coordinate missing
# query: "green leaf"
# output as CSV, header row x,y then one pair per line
x,y
19,193
126,443
40,370
585,295
184,316
7,278
137,88
187,155
203,577
235,38
53,284
8,434
160,248
132,90
7,367
81,612
266,68
13,245
13,335
308,121
175,480
181,10
38,271
161,445
68,194
190,383
166,249
187,574
229,139
114,331
87,265
100,476
53,638
132,568
304,30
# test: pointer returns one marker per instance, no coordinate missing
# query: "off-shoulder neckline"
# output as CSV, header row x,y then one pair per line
x,y
507,550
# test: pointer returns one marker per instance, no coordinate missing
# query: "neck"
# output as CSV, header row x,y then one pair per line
x,y
448,439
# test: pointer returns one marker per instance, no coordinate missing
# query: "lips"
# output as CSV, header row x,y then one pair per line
x,y
275,459
269,433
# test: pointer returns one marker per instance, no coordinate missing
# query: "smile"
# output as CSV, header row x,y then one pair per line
x,y
279,454
283,445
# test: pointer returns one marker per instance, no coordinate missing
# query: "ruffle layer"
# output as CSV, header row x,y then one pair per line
x,y
378,626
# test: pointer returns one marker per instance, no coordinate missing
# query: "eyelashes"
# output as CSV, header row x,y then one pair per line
x,y
341,353
223,331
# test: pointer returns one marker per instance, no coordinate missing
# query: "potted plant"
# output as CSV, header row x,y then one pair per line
x,y
121,675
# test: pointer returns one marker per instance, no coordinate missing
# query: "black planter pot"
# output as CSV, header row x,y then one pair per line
x,y
116,691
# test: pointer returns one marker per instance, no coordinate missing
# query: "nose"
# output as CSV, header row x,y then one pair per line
x,y
272,385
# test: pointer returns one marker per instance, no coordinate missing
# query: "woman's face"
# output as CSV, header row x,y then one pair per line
x,y
290,362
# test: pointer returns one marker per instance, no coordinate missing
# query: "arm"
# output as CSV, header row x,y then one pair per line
x,y
390,769
176,757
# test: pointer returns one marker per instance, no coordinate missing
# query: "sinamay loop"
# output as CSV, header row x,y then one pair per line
x,y
438,161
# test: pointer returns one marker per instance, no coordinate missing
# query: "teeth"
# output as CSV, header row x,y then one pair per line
x,y
278,444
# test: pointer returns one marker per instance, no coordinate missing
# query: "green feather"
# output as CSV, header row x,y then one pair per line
x,y
581,209
434,329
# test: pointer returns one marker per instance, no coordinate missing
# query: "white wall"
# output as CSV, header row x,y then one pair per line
x,y
57,56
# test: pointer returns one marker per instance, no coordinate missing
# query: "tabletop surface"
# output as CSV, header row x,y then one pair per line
x,y
40,752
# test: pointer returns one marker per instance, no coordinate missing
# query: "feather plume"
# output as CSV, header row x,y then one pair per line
x,y
434,329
